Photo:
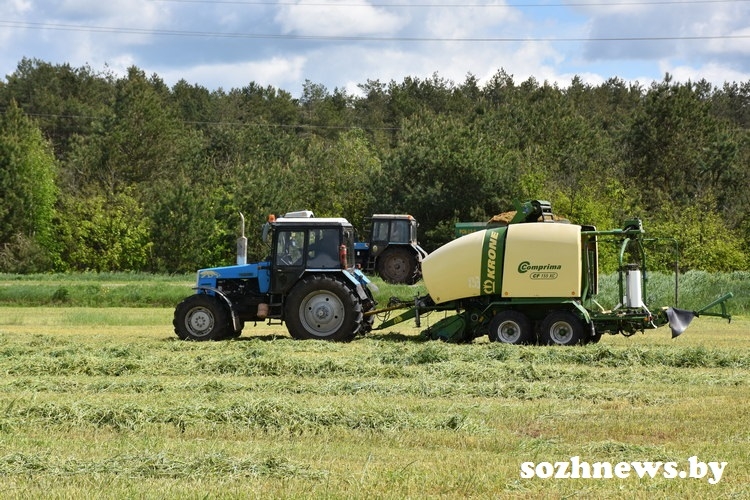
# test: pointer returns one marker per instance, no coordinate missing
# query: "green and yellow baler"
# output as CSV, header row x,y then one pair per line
x,y
535,280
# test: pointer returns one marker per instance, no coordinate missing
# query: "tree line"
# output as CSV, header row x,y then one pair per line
x,y
101,172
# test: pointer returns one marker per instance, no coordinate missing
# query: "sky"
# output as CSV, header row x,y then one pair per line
x,y
343,44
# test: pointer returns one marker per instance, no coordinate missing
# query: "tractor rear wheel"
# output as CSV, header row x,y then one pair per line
x,y
398,265
562,328
511,327
202,317
320,307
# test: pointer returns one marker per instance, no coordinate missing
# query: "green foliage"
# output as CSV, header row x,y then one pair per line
x,y
138,142
584,207
704,240
27,193
101,233
23,254
191,227
191,159
678,149
695,290
342,171
67,103
443,168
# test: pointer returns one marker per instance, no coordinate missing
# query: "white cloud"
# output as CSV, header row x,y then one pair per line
x,y
471,22
675,24
13,7
727,47
142,14
450,61
12,10
278,72
350,17
712,72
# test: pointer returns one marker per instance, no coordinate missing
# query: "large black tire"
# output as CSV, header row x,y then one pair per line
x,y
320,307
398,265
202,317
511,327
562,328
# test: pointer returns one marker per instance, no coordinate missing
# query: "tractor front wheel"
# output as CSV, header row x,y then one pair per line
x,y
398,265
562,328
511,327
202,317
320,307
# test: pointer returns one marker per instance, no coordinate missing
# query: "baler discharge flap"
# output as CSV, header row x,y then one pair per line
x,y
679,319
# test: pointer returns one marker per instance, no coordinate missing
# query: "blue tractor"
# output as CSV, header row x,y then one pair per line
x,y
309,281
392,250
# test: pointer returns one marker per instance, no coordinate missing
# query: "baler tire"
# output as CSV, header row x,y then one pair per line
x,y
202,317
398,266
323,308
561,328
511,327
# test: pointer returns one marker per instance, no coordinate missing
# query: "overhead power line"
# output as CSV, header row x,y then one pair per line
x,y
351,38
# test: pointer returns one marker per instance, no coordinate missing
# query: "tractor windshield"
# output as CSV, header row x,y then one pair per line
x,y
380,230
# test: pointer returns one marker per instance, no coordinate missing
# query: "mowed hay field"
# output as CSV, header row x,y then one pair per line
x,y
108,403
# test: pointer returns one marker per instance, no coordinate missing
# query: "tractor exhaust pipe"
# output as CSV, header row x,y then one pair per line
x,y
242,243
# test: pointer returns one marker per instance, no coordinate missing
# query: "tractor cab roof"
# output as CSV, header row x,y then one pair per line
x,y
392,216
306,218
312,221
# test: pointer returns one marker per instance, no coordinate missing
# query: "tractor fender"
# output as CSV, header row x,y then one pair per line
x,y
360,283
236,322
354,279
421,252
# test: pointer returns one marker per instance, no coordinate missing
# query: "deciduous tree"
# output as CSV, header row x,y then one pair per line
x,y
27,188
